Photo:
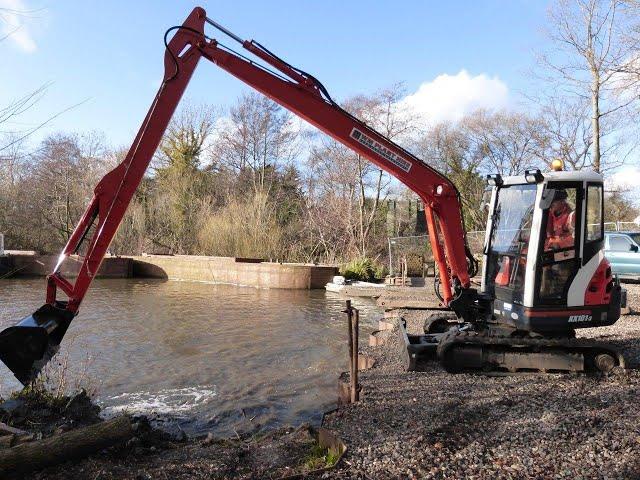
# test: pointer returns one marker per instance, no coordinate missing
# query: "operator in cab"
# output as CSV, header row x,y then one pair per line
x,y
561,223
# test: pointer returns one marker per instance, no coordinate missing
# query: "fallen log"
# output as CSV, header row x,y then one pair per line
x,y
70,445
6,430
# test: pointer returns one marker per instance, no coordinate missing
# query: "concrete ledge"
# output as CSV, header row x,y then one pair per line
x,y
33,265
225,270
233,271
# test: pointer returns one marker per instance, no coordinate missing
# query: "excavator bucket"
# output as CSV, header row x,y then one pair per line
x,y
27,347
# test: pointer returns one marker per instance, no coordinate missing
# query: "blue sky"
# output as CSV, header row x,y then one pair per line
x,y
111,52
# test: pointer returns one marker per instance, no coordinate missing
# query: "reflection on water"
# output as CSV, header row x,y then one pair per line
x,y
207,357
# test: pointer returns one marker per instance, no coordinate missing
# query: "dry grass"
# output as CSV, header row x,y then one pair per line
x,y
242,229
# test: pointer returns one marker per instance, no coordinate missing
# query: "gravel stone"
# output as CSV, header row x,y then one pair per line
x,y
436,425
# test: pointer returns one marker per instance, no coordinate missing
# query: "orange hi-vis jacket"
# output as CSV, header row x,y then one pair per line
x,y
560,228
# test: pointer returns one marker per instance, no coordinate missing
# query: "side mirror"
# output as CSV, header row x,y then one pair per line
x,y
633,248
547,198
485,201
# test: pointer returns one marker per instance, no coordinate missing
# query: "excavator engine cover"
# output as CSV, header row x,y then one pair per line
x,y
26,347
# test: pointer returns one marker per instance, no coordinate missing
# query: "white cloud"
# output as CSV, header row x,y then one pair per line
x,y
626,179
12,24
625,84
450,97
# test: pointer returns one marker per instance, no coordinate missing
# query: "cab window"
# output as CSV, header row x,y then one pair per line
x,y
509,241
561,221
594,226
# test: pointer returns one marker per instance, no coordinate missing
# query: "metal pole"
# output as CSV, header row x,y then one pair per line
x,y
224,30
355,394
349,312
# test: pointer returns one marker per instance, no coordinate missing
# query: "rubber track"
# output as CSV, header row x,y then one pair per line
x,y
569,345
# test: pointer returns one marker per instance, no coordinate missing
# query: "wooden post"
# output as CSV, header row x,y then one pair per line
x,y
404,271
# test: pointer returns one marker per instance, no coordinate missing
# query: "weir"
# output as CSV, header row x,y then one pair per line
x,y
223,270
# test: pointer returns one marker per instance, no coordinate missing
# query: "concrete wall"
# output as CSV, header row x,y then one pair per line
x,y
30,265
234,271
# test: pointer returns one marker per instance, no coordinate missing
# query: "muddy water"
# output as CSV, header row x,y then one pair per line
x,y
197,356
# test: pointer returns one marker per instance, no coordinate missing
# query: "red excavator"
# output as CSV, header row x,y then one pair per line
x,y
544,273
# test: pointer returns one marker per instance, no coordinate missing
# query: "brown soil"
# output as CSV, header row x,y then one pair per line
x,y
150,456
44,416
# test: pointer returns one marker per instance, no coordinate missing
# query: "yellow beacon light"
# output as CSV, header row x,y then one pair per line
x,y
557,165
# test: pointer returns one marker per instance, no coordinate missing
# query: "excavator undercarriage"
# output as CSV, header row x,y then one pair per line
x,y
467,348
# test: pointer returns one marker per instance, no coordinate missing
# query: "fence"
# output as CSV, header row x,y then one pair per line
x,y
622,227
413,253
412,249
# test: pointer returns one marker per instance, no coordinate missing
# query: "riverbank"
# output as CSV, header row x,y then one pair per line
x,y
31,264
143,452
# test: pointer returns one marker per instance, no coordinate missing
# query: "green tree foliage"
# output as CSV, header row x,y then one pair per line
x,y
181,190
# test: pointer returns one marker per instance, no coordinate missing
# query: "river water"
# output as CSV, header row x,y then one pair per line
x,y
200,357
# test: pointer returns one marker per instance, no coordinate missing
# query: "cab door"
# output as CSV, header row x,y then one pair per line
x,y
559,256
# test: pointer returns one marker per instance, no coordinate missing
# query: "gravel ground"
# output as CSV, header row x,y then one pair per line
x,y
436,425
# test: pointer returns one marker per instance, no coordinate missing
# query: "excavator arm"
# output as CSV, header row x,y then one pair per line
x,y
26,347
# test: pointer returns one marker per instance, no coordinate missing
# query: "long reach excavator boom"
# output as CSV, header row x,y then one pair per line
x,y
28,346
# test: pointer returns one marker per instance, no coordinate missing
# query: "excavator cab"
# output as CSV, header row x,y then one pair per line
x,y
544,262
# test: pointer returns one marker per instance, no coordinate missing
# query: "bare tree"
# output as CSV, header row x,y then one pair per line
x,y
565,132
345,191
618,208
589,51
482,142
628,73
332,189
258,137
43,194
64,173
503,142
449,148
384,112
